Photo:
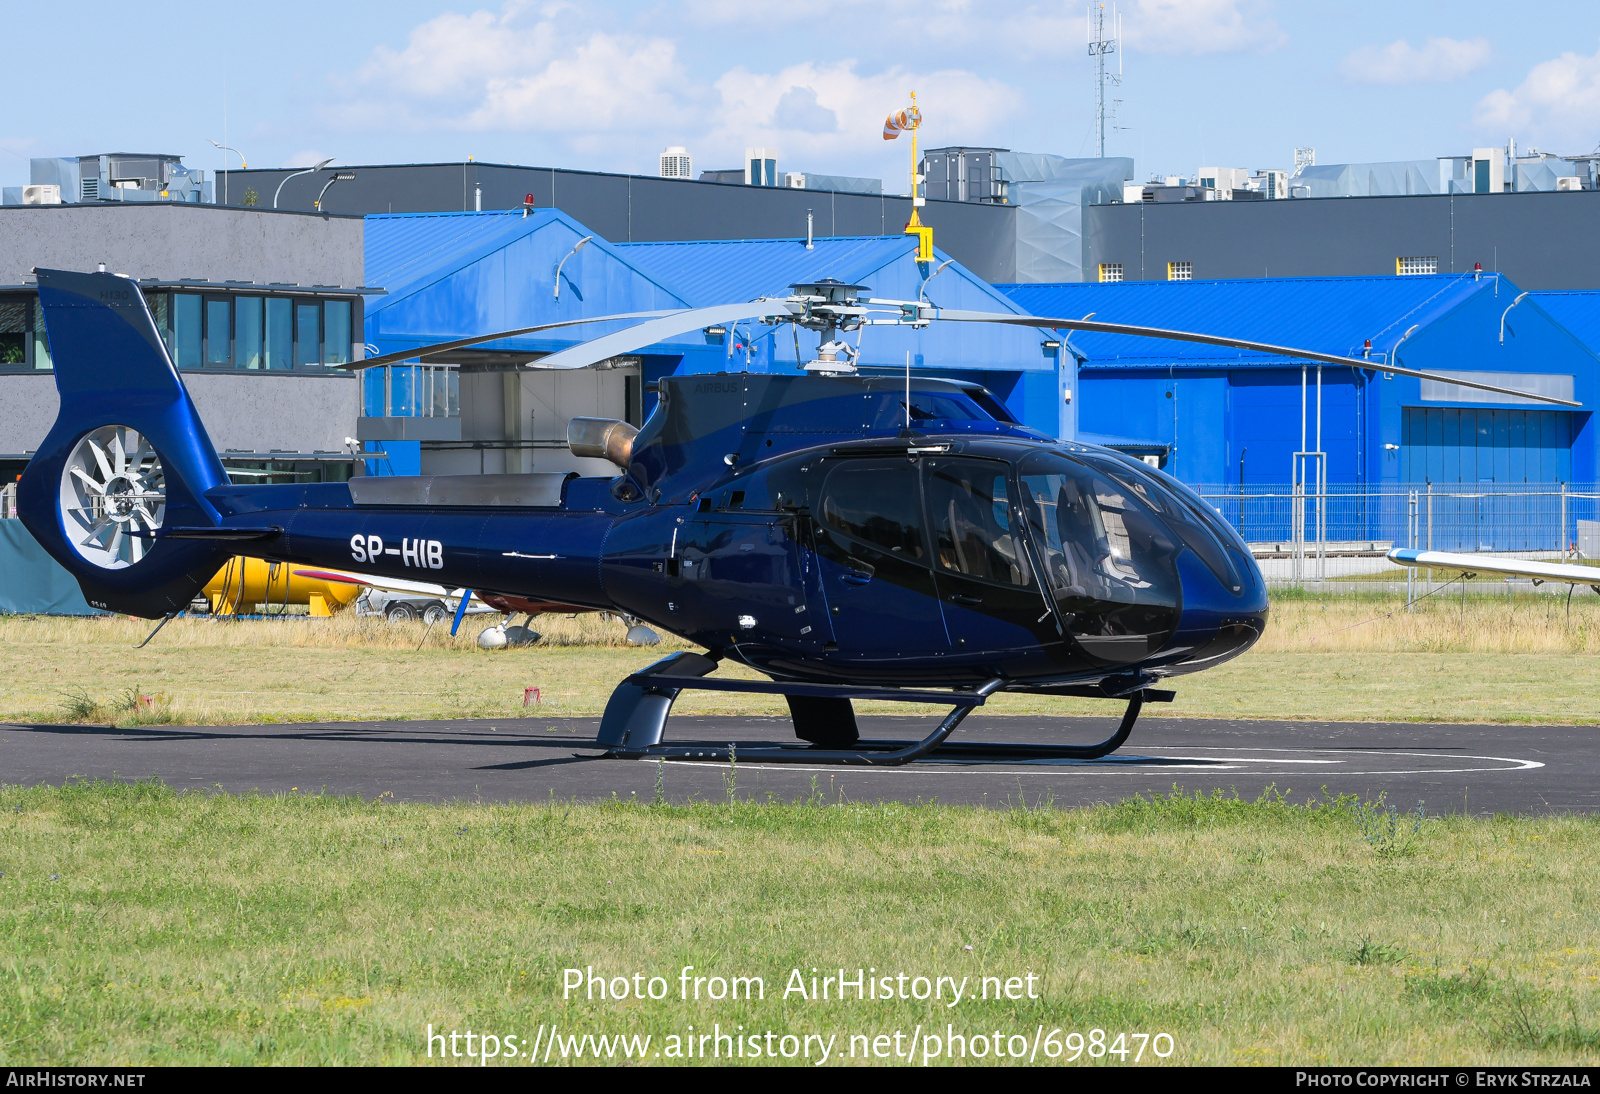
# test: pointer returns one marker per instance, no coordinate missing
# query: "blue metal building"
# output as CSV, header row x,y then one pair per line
x,y
454,275
1013,363
1222,417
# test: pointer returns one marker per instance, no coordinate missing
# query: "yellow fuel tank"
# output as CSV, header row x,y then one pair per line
x,y
245,582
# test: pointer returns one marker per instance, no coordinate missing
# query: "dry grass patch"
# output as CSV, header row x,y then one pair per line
x,y
1329,658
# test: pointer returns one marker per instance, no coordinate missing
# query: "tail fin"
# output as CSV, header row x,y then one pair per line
x,y
127,455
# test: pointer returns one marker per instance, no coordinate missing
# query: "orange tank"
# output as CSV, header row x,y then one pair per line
x,y
245,582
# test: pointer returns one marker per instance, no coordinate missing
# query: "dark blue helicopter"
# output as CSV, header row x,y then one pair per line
x,y
850,537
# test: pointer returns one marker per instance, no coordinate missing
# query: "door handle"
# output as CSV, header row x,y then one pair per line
x,y
855,577
962,598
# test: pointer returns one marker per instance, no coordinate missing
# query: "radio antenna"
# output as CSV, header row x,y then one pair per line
x,y
908,391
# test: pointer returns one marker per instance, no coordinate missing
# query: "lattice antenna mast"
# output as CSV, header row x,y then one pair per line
x,y
1100,47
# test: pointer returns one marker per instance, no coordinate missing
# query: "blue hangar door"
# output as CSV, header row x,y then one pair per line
x,y
1463,445
1480,464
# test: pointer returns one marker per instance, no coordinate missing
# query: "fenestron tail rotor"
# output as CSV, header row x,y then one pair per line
x,y
113,496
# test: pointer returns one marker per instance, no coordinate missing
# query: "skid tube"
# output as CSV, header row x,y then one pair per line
x,y
635,721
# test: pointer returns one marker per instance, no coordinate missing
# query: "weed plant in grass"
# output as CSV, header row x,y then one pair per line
x,y
1323,657
143,926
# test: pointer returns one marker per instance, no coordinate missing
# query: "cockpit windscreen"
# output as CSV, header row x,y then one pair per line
x,y
1109,558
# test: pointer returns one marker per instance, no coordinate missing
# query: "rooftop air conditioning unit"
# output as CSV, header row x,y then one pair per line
x,y
41,194
1569,182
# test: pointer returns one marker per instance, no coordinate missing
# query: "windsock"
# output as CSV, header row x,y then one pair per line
x,y
901,121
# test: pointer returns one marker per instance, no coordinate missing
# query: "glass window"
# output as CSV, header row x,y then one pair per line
x,y
372,384
402,379
186,330
336,332
13,332
876,502
41,339
247,332
970,508
161,313
454,380
307,333
1188,514
1099,541
280,332
219,330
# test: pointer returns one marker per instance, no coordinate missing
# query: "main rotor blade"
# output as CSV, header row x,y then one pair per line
x,y
1095,327
675,323
463,343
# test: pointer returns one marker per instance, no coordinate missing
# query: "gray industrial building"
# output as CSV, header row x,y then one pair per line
x,y
255,305
1539,240
644,208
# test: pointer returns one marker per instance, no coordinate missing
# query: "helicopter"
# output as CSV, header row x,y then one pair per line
x,y
850,537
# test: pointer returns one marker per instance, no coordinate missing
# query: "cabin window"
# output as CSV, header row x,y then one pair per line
x,y
970,507
876,501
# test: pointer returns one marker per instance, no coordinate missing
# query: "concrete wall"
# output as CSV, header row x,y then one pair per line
x,y
641,209
28,407
168,241
1539,240
257,412
249,411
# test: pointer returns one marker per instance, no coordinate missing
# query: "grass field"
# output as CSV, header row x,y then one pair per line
x,y
145,926
1522,660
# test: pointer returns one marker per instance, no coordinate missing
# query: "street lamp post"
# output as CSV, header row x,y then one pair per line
x,y
563,262
242,164
339,176
307,171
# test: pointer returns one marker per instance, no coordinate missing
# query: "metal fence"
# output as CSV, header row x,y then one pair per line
x,y
1305,523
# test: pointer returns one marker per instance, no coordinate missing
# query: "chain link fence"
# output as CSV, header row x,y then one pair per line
x,y
1307,527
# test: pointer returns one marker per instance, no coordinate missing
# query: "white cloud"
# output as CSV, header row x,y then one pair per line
x,y
308,157
1398,62
603,87
1558,101
524,69
1201,26
749,113
799,110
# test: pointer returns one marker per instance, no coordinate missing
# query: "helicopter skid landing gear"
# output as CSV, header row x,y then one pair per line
x,y
635,721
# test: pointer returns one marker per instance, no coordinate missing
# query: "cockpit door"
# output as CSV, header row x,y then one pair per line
x,y
983,567
874,560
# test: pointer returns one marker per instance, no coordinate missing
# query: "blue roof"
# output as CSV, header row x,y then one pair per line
x,y
733,271
1326,314
451,275
1578,310
736,270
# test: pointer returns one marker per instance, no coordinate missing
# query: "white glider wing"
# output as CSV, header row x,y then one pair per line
x,y
1493,564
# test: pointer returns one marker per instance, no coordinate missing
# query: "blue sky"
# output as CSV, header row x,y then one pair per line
x,y
606,86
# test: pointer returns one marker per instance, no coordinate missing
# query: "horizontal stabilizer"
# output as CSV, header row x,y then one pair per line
x,y
237,534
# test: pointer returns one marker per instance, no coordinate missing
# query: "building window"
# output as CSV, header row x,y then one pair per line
x,y
279,341
247,332
308,334
336,332
1416,264
41,339
1110,271
186,332
219,331
411,391
1180,271
14,332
